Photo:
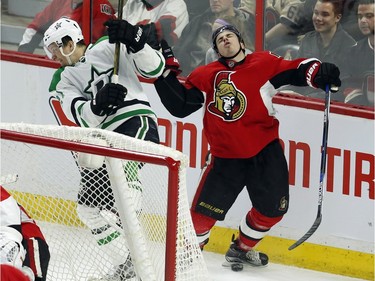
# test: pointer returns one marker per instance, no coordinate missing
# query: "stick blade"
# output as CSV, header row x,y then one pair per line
x,y
310,232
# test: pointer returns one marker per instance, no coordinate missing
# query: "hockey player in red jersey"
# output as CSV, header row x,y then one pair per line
x,y
240,125
22,244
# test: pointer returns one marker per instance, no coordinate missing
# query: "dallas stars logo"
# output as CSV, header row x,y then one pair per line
x,y
57,25
98,80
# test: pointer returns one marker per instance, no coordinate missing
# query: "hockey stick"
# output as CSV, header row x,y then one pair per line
x,y
117,46
323,161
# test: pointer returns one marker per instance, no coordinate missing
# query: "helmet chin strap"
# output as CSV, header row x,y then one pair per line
x,y
231,57
68,55
227,61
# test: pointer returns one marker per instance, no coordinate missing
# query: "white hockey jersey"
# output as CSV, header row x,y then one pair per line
x,y
75,86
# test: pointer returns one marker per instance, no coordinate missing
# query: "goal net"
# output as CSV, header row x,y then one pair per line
x,y
108,205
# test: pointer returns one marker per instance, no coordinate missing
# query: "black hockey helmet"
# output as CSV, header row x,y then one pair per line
x,y
221,29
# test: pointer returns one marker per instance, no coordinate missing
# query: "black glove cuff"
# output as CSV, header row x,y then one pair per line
x,y
149,31
96,109
138,41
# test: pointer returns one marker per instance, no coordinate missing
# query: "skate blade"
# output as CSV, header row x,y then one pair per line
x,y
234,266
241,265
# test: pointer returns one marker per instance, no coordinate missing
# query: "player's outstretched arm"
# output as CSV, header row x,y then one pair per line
x,y
148,62
307,72
178,100
320,74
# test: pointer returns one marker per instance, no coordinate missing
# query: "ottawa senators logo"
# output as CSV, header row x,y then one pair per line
x,y
229,103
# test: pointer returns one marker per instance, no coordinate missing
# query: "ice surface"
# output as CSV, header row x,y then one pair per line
x,y
272,272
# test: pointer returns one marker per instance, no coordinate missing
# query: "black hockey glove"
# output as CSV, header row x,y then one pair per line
x,y
130,35
108,99
327,74
171,62
151,35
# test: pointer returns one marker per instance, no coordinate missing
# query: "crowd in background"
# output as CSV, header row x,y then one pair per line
x,y
337,31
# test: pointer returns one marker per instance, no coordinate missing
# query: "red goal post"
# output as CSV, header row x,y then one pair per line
x,y
66,176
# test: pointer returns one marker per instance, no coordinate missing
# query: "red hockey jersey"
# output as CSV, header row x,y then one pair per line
x,y
239,117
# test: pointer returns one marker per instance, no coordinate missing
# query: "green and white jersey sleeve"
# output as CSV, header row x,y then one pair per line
x,y
75,86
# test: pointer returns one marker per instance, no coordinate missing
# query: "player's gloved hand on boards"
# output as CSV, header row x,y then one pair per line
x,y
171,62
108,99
130,35
327,74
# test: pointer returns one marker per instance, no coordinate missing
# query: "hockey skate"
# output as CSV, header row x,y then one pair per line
x,y
237,258
124,272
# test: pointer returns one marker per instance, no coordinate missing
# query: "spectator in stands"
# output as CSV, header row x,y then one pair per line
x,y
329,41
22,244
286,21
211,54
102,11
359,80
247,6
195,8
161,19
349,19
195,40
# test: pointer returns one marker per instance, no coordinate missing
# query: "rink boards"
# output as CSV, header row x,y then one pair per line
x,y
344,242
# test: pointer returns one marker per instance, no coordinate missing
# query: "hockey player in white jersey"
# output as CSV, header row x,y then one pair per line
x,y
89,97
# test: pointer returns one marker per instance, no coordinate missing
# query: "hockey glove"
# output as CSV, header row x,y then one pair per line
x,y
327,74
171,62
108,99
151,35
130,35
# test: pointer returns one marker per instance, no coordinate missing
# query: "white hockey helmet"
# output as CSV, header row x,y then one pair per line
x,y
58,30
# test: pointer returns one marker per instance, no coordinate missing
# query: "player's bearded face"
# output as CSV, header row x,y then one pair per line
x,y
227,43
366,19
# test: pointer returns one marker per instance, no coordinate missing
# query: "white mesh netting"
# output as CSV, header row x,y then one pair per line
x,y
78,210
